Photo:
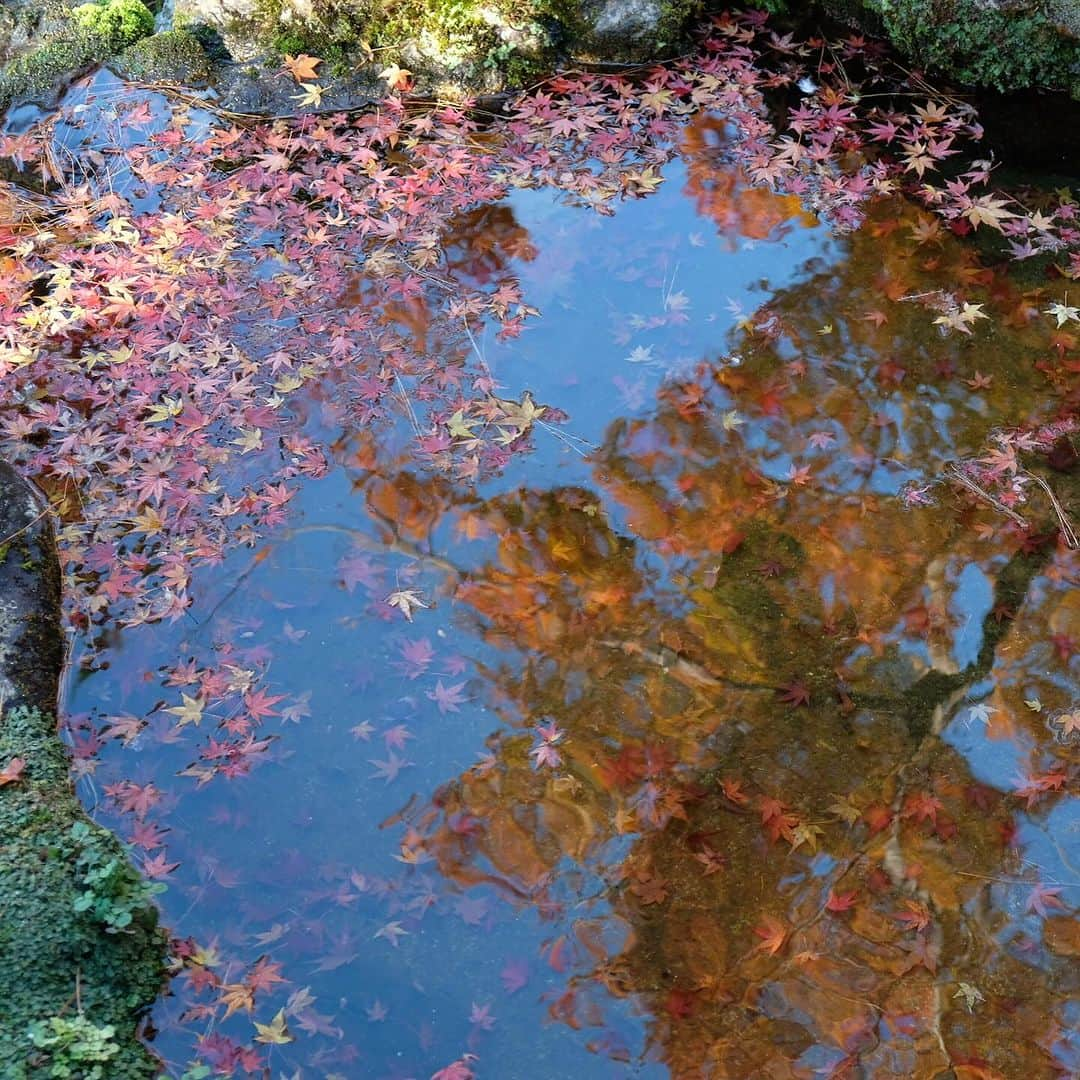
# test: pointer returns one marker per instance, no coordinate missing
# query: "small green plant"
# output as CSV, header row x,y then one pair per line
x,y
75,1047
120,22
112,891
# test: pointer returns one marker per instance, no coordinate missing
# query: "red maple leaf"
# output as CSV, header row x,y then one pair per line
x,y
795,693
157,867
264,974
877,817
1042,898
841,901
733,791
922,807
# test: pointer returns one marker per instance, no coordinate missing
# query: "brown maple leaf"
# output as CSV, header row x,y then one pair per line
x,y
649,888
917,917
302,67
773,933
236,996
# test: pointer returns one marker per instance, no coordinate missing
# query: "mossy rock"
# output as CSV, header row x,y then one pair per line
x,y
79,937
171,56
999,44
60,955
119,22
479,45
41,71
69,41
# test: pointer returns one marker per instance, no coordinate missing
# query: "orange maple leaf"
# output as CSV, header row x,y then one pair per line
x,y
12,771
236,996
302,67
773,934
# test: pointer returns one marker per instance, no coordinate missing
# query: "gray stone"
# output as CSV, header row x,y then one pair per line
x,y
620,28
31,647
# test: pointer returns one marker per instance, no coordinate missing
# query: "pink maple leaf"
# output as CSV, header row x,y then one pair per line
x,y
448,698
157,867
1042,898
514,975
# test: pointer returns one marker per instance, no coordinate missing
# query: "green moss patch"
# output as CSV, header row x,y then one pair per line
x,y
81,953
173,56
1008,47
119,22
41,70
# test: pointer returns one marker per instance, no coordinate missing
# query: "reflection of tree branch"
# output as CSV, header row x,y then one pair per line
x,y
924,706
685,671
396,546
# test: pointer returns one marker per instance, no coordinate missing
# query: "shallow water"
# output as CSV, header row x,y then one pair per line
x,y
726,737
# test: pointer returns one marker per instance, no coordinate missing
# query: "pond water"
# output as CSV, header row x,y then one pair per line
x,y
654,684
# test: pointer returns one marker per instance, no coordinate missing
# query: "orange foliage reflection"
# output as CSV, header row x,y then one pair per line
x,y
746,647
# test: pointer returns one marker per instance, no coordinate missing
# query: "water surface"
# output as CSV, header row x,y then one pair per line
x,y
724,736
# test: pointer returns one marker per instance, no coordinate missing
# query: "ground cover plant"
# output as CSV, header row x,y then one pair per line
x,y
196,305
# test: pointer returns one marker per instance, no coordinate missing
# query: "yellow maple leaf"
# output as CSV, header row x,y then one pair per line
x,y
169,407
276,1033
521,414
288,383
312,95
644,182
986,210
249,439
206,957
459,427
302,67
148,521
190,712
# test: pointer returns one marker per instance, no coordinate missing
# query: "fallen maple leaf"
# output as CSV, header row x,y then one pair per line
x,y
916,917
1042,898
190,712
773,934
302,67
841,901
986,210
795,693
399,78
312,95
276,1033
733,791
236,996
12,771
405,600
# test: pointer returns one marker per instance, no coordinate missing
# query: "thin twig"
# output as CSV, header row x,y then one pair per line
x,y
957,474
1067,529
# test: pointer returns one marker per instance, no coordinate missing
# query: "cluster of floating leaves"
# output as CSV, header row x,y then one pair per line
x,y
176,292
187,308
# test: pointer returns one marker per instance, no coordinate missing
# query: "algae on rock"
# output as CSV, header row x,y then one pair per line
x,y
79,937
172,55
58,42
